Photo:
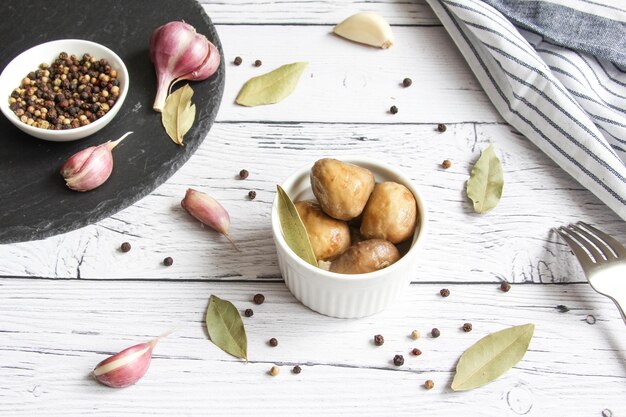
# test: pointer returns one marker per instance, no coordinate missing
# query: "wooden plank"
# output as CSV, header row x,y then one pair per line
x,y
54,332
359,89
396,12
513,242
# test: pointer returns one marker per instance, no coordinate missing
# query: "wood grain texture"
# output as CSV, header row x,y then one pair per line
x,y
312,12
513,242
572,368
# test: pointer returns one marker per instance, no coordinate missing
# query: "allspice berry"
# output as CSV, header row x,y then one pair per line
x,y
446,164
407,82
273,342
125,247
435,332
441,127
238,60
379,340
444,292
168,261
258,298
296,369
467,327
243,174
429,384
505,286
258,63
398,360
274,371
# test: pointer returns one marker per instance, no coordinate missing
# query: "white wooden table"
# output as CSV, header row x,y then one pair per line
x,y
69,301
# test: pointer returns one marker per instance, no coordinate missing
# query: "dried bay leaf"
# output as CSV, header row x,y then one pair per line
x,y
486,181
178,113
293,228
225,327
271,87
491,357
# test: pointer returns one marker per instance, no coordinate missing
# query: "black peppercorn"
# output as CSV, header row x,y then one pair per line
x,y
441,127
467,327
252,195
562,308
168,261
393,110
125,247
259,298
258,63
435,332
273,342
379,340
237,60
248,312
243,174
505,286
444,292
407,82
398,360
296,369
416,352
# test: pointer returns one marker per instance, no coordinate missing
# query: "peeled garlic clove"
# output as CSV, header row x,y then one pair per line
x,y
127,367
368,28
208,210
91,167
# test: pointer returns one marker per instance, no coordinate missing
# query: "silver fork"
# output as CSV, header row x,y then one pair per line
x,y
602,258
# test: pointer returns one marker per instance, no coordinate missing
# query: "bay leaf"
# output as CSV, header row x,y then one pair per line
x,y
491,357
225,327
486,181
293,228
271,87
178,113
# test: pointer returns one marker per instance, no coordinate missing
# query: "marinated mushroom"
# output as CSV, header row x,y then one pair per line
x,y
329,237
342,189
390,213
367,256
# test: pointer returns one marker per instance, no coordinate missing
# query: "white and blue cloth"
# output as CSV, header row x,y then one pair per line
x,y
556,71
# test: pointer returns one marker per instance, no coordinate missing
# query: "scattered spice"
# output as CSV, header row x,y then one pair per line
x,y
258,298
562,308
415,335
505,286
429,384
590,319
379,340
467,327
441,127
407,82
416,352
243,174
168,261
393,110
446,164
66,94
248,312
444,292
125,247
398,360
273,342
258,63
274,371
296,369
252,195
435,332
237,60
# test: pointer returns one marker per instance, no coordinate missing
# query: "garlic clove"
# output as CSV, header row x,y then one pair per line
x,y
208,210
209,66
368,28
126,367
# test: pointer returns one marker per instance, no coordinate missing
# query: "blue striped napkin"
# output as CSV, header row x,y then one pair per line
x,y
556,71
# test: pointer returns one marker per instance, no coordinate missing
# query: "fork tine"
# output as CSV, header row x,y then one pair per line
x,y
610,241
588,246
583,257
600,244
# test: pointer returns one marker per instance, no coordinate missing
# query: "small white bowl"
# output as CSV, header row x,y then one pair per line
x,y
344,295
30,60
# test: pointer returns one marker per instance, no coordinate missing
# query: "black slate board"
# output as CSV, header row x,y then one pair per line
x,y
34,201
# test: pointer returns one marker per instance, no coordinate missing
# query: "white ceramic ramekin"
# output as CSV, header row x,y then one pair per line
x,y
343,295
30,60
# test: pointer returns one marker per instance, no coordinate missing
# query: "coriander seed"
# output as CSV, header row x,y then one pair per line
x,y
393,110
237,60
258,63
416,352
274,371
415,335
168,261
505,286
407,82
467,327
258,298
398,360
125,247
243,174
435,332
296,369
379,340
273,342
429,384
252,195
446,164
444,292
248,312
441,127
